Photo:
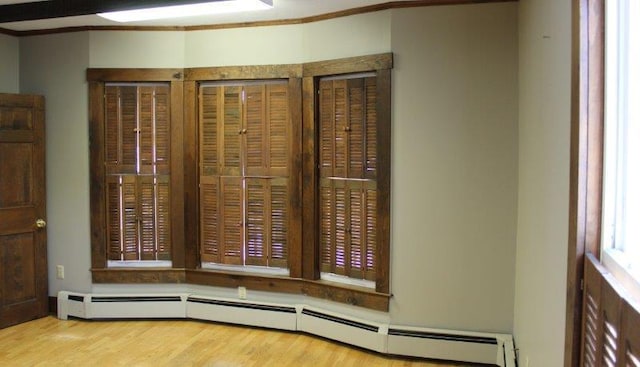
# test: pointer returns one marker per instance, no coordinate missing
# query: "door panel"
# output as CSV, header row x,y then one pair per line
x,y
23,272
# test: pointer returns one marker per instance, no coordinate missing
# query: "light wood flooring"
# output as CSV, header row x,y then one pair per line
x,y
79,343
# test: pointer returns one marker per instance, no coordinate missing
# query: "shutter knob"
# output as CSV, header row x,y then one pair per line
x,y
40,223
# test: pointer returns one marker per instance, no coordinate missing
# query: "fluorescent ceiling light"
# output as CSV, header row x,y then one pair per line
x,y
189,10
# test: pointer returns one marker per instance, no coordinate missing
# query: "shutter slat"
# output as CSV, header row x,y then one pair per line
x,y
209,240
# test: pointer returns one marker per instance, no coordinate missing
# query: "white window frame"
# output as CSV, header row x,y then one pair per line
x,y
620,236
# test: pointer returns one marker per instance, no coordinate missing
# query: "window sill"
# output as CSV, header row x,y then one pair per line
x,y
620,267
322,289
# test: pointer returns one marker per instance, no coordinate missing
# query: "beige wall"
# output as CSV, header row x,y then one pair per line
x,y
55,67
454,172
543,192
454,164
9,56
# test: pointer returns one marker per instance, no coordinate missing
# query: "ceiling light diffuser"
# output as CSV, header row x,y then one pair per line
x,y
189,10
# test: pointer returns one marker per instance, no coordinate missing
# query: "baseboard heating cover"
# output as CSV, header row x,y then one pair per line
x,y
266,315
452,345
361,333
463,346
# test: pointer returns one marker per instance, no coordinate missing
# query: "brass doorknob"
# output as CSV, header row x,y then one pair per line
x,y
40,223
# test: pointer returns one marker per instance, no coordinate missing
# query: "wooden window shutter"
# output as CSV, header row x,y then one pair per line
x,y
209,219
280,218
114,215
232,130
277,129
371,128
245,220
267,224
258,205
129,127
232,220
129,218
255,149
210,99
137,125
348,161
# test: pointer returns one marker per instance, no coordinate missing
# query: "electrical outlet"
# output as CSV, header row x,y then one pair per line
x,y
242,292
60,272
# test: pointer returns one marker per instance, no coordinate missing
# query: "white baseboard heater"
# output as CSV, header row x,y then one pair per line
x,y
485,348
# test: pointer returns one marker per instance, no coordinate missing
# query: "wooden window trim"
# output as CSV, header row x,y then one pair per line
x,y
97,78
381,64
303,278
587,126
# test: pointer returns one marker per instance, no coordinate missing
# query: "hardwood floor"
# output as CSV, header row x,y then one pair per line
x,y
52,342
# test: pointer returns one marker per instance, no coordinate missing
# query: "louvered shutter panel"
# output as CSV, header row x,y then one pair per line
x,y
147,217
611,304
211,112
341,197
258,221
279,217
341,124
146,128
370,229
137,126
210,98
592,320
277,129
326,128
114,211
355,231
327,233
162,125
255,149
356,127
232,233
209,219
112,126
371,129
129,127
232,127
163,218
630,335
130,235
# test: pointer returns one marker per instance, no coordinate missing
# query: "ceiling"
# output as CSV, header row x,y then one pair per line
x,y
20,11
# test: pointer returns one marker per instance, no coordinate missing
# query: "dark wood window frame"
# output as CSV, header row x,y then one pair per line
x,y
601,324
304,255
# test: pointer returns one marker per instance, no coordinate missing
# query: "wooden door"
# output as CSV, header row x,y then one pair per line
x,y
23,253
